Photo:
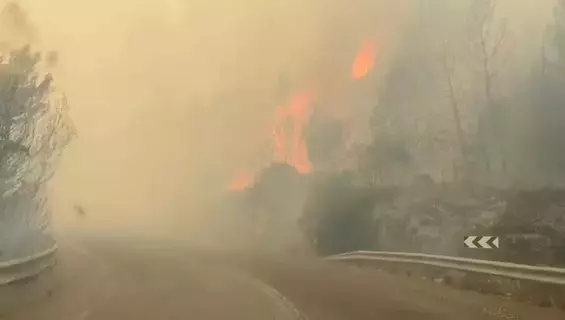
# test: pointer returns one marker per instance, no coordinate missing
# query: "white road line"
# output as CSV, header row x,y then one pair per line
x,y
496,242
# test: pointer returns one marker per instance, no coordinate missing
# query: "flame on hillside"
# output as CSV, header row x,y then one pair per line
x,y
290,121
292,117
364,59
289,146
241,181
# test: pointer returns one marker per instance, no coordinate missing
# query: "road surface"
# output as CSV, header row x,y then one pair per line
x,y
122,279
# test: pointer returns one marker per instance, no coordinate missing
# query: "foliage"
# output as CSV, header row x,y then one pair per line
x,y
34,124
338,215
275,185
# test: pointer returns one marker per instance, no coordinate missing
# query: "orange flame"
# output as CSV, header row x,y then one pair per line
x,y
292,118
364,59
288,139
243,180
290,147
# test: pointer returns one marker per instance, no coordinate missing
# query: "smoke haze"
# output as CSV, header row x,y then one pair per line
x,y
171,99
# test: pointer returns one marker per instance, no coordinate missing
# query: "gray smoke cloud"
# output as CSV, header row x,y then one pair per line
x,y
172,98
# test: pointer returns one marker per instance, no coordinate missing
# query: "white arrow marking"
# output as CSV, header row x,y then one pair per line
x,y
469,242
495,242
483,242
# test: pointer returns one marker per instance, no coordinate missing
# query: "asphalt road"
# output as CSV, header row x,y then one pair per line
x,y
122,279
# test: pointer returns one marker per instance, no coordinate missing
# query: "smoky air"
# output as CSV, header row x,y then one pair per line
x,y
262,131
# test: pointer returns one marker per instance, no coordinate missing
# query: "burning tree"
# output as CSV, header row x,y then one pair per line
x,y
34,129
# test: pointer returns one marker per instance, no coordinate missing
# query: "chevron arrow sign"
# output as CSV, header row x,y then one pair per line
x,y
481,242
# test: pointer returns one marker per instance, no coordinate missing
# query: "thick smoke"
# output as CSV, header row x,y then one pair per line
x,y
172,99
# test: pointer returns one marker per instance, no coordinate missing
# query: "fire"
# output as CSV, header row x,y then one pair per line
x,y
242,180
292,118
289,145
364,59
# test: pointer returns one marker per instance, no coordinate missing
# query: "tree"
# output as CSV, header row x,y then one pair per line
x,y
274,204
338,216
378,161
34,124
548,106
455,107
411,118
543,137
34,130
471,62
488,35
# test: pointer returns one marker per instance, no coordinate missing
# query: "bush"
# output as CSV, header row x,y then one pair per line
x,y
338,215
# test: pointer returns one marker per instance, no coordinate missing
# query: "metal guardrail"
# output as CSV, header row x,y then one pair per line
x,y
28,267
549,275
